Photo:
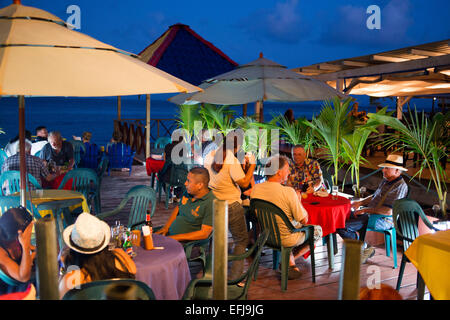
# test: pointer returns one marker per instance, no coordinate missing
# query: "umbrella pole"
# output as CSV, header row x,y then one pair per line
x,y
23,165
147,128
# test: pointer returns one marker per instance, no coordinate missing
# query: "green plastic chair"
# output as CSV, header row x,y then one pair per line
x,y
95,290
390,238
84,180
13,178
162,142
201,289
178,176
3,157
78,147
140,196
406,213
101,169
8,202
265,213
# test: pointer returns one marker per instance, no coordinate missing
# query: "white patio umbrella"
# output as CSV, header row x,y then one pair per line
x,y
258,81
41,56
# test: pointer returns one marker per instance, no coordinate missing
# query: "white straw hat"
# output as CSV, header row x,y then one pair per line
x,y
394,161
87,235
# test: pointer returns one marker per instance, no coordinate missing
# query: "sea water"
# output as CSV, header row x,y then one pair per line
x,y
72,116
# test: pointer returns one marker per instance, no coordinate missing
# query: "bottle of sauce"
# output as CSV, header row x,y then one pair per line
x,y
147,232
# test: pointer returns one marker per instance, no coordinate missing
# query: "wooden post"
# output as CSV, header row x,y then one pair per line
x,y
244,110
47,259
147,127
220,250
22,155
349,278
119,107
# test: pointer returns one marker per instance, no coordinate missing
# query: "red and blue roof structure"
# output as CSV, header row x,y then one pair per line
x,y
183,53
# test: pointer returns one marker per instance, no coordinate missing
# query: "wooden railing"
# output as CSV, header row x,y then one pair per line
x,y
133,131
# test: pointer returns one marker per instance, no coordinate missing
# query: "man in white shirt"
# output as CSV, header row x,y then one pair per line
x,y
287,200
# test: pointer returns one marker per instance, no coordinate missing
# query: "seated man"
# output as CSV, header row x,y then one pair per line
x,y
392,188
12,147
57,150
287,200
192,219
35,166
305,174
40,141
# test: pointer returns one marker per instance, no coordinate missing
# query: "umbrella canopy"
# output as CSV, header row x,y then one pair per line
x,y
261,80
40,55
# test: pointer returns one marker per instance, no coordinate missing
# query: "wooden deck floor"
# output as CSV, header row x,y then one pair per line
x,y
267,286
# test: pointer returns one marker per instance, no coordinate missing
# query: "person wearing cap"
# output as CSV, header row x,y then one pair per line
x,y
87,257
391,188
16,251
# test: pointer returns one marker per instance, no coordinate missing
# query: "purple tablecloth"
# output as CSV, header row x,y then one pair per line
x,y
165,271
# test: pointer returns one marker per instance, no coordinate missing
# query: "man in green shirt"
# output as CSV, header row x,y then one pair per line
x,y
192,219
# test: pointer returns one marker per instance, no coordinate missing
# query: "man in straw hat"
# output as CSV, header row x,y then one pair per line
x,y
392,188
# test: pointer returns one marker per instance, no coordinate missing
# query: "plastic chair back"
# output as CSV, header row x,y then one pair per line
x,y
96,290
85,181
78,148
266,213
141,196
3,157
406,213
13,180
120,156
8,202
202,288
162,142
90,156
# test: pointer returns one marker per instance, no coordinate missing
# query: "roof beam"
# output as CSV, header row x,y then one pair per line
x,y
329,66
351,63
406,66
425,53
378,57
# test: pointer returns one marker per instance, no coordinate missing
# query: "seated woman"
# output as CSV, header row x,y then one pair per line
x,y
16,252
88,257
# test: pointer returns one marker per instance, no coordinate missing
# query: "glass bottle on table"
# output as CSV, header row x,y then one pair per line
x,y
147,232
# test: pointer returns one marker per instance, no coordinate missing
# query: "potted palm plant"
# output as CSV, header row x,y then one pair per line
x,y
329,127
295,133
422,136
353,144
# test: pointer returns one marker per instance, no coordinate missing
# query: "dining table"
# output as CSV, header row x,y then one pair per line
x,y
330,214
164,269
430,254
60,204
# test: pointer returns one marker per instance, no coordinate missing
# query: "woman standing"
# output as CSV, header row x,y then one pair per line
x,y
226,178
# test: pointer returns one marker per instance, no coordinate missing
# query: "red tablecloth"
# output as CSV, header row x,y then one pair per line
x,y
328,213
54,184
153,165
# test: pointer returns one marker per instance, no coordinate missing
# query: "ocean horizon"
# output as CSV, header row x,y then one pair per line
x,y
73,115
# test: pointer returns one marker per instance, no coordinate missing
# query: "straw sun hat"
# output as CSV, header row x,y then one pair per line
x,y
394,161
87,235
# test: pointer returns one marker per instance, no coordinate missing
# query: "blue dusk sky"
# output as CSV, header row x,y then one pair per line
x,y
293,33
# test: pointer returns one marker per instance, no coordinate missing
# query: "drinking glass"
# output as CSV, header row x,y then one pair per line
x,y
135,239
334,192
